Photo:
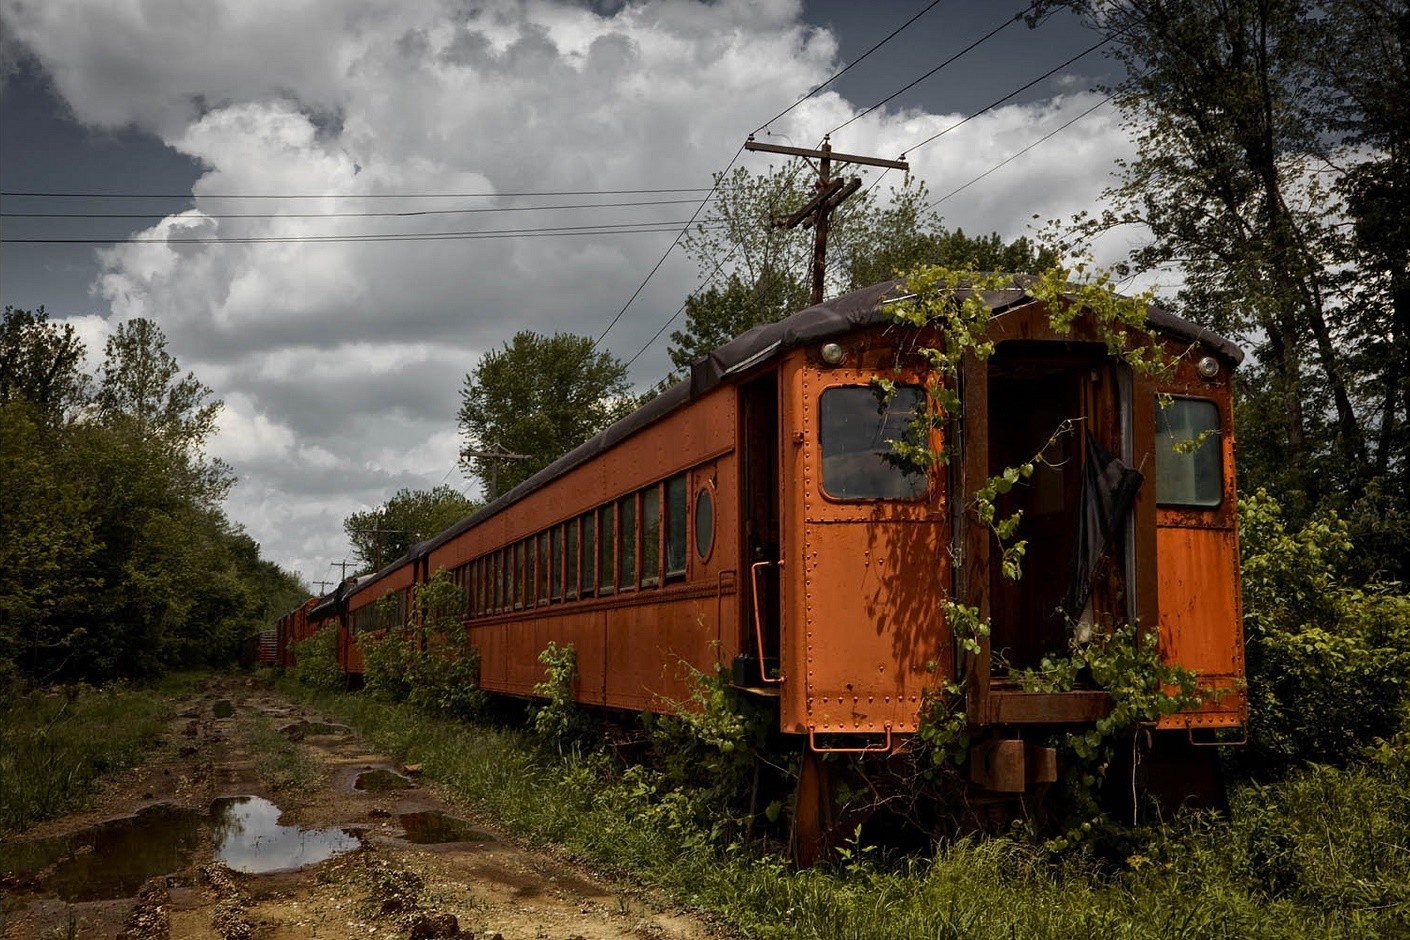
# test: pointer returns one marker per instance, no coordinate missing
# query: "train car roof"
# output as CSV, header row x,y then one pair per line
x,y
831,318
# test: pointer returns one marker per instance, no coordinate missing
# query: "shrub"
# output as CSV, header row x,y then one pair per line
x,y
1328,663
316,661
559,719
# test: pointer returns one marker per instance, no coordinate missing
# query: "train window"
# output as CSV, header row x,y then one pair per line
x,y
555,562
543,576
589,553
501,563
570,558
675,526
651,536
704,522
604,550
519,581
1188,455
626,542
856,435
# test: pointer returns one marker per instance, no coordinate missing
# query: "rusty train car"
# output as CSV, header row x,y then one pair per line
x,y
748,517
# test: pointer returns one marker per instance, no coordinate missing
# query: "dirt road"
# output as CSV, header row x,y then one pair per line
x,y
258,819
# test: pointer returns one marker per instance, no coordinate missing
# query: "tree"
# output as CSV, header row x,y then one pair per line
x,y
42,362
141,384
386,533
869,241
1271,150
540,396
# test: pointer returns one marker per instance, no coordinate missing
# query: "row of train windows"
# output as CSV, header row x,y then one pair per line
x,y
621,546
371,618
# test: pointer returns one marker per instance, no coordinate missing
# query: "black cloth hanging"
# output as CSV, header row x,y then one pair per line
x,y
1109,490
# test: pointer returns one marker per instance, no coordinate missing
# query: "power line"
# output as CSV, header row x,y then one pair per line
x,y
617,229
703,284
1003,163
1013,94
343,215
669,248
187,195
838,74
982,39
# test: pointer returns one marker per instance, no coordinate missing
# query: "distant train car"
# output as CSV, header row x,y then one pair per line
x,y
748,517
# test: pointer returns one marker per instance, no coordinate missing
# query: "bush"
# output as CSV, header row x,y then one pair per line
x,y
442,680
1328,663
316,661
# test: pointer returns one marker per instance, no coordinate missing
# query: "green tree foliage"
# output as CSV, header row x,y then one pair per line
x,y
386,533
540,396
116,558
1328,661
870,240
1272,171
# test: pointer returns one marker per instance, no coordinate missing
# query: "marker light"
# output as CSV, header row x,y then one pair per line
x,y
832,353
1208,367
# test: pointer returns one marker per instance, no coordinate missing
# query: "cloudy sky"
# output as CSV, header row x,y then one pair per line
x,y
340,362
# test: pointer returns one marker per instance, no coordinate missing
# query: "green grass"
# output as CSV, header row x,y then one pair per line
x,y
282,764
1327,853
53,747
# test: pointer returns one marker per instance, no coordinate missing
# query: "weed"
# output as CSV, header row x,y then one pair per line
x,y
283,764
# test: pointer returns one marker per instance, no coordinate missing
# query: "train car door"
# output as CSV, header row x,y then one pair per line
x,y
865,547
758,665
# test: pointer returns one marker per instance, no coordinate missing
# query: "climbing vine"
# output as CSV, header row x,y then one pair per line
x,y
946,316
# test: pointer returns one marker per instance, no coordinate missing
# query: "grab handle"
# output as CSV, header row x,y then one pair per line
x,y
867,749
758,620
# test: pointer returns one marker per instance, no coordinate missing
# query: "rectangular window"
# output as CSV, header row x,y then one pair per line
x,y
676,505
555,563
570,552
589,553
605,544
626,542
856,436
1188,457
501,570
516,592
543,566
651,535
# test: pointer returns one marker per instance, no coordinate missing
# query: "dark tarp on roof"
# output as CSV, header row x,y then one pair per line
x,y
831,318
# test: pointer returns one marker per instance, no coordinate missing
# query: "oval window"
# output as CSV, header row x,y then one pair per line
x,y
704,523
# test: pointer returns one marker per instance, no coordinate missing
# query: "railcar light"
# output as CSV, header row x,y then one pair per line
x,y
832,353
1208,367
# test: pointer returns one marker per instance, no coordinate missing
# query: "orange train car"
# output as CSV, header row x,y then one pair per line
x,y
748,517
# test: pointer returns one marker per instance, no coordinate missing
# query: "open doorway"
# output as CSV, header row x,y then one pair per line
x,y
1060,400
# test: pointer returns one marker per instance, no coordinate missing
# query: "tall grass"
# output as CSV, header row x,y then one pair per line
x,y
54,746
1325,854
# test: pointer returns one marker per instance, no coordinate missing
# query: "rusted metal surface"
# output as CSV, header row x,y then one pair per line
x,y
1017,708
998,764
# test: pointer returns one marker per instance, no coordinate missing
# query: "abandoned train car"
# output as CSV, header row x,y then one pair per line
x,y
749,516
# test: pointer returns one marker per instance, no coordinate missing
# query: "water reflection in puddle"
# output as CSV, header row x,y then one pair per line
x,y
114,858
249,838
381,780
432,826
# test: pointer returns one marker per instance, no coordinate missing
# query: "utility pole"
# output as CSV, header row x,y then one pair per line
x,y
493,456
342,567
377,544
828,194
323,586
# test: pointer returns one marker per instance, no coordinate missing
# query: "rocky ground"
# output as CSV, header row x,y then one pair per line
x,y
165,852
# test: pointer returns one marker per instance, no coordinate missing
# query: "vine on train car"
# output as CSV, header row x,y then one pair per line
x,y
559,719
947,319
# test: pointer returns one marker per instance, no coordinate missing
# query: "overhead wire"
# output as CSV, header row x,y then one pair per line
x,y
345,215
679,310
1005,162
857,61
611,229
905,88
1010,96
479,195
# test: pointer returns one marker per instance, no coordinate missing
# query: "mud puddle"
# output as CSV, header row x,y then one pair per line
x,y
112,859
433,827
381,780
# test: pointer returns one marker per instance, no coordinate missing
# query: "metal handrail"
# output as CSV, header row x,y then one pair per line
x,y
758,620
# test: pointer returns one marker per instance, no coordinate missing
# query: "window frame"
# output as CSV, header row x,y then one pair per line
x,y
707,491
1219,450
628,545
822,475
667,572
607,579
651,495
